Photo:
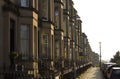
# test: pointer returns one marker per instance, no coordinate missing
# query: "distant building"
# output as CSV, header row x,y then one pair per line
x,y
95,59
87,51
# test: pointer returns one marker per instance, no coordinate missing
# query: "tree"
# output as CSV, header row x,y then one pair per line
x,y
116,58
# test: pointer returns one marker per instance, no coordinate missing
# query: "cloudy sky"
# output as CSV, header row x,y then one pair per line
x,y
101,23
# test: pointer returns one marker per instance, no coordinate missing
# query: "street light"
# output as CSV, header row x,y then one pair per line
x,y
100,53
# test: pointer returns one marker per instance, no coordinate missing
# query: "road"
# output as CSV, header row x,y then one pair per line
x,y
92,73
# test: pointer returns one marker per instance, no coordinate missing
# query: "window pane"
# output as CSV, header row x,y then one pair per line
x,y
45,39
45,44
25,3
24,33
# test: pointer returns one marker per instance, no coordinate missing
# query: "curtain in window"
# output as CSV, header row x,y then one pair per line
x,y
24,34
45,45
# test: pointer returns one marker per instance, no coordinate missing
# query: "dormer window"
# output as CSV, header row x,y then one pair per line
x,y
25,3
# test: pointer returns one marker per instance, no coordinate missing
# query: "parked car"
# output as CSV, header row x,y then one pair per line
x,y
115,73
109,69
105,66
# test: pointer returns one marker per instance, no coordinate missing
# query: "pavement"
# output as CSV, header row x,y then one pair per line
x,y
92,73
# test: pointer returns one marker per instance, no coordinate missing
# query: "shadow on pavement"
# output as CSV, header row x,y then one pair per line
x,y
98,73
92,73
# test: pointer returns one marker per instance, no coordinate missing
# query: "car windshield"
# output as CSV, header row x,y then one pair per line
x,y
117,72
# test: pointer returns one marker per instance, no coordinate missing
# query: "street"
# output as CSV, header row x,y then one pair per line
x,y
92,73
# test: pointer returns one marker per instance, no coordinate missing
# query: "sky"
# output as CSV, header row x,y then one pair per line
x,y
101,23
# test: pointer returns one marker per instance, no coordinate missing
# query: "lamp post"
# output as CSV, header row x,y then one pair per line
x,y
100,53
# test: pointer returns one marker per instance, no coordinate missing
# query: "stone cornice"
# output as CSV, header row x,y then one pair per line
x,y
9,6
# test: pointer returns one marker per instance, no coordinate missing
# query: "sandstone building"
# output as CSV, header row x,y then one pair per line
x,y
42,39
